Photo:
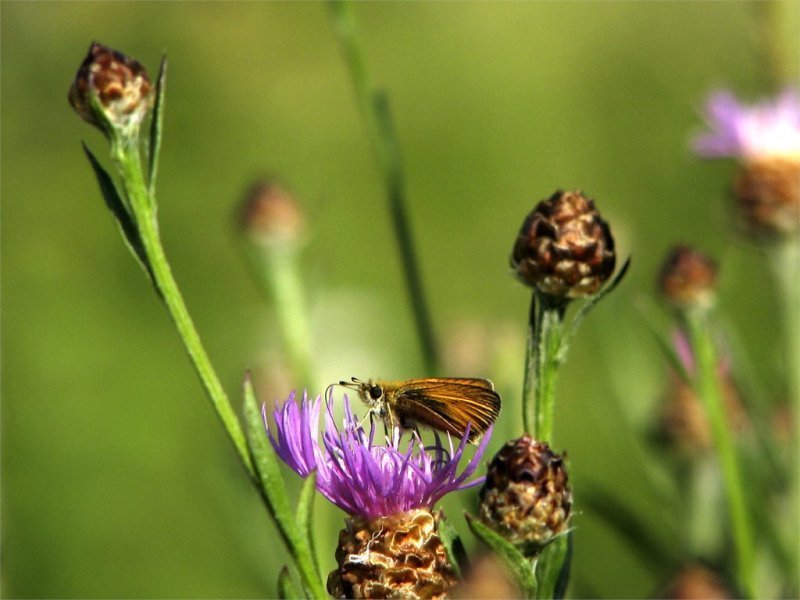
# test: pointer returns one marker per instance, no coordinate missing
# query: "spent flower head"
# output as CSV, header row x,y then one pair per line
x,y
359,475
111,91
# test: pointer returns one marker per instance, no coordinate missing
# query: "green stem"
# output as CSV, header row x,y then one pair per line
x,y
375,108
276,269
541,365
708,388
786,270
125,154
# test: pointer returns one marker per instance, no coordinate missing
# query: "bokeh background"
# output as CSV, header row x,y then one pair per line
x,y
117,480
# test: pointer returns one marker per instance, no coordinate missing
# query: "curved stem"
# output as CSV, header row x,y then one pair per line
x,y
126,156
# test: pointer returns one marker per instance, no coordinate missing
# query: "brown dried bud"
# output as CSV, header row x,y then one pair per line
x,y
526,497
688,278
488,578
400,556
767,192
697,582
123,92
682,421
271,215
564,248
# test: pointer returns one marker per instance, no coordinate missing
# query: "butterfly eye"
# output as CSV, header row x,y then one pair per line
x,y
375,392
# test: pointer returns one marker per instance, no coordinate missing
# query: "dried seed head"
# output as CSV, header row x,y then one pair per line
x,y
122,92
767,193
271,215
400,556
688,278
526,497
564,248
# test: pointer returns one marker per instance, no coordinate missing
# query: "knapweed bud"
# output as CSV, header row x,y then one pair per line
x,y
526,497
399,556
271,216
688,278
564,248
767,192
111,91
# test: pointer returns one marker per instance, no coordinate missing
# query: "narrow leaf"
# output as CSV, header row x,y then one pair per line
x,y
119,209
273,491
287,590
272,485
553,567
305,511
453,545
588,305
662,341
156,122
517,563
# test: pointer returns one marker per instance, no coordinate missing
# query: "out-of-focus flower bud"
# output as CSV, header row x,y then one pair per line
x,y
688,278
489,579
111,91
697,582
526,497
271,216
767,192
400,556
564,248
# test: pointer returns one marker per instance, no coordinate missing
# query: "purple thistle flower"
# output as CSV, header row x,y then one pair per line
x,y
360,476
767,129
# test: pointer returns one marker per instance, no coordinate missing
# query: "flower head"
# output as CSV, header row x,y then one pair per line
x,y
111,91
770,128
564,249
357,474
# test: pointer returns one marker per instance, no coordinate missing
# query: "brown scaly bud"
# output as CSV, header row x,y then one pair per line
x,y
688,278
270,215
399,556
564,248
767,193
111,91
526,497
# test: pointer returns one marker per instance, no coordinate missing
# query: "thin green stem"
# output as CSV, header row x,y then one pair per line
x,y
708,387
375,108
127,158
276,269
541,365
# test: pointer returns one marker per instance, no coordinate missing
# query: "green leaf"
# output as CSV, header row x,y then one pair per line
x,y
119,209
647,310
305,511
520,566
287,590
266,463
273,491
155,127
588,305
553,567
453,545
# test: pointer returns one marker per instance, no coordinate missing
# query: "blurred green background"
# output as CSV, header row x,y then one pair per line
x,y
117,480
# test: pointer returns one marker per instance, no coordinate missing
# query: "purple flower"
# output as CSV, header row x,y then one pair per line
x,y
360,476
767,129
